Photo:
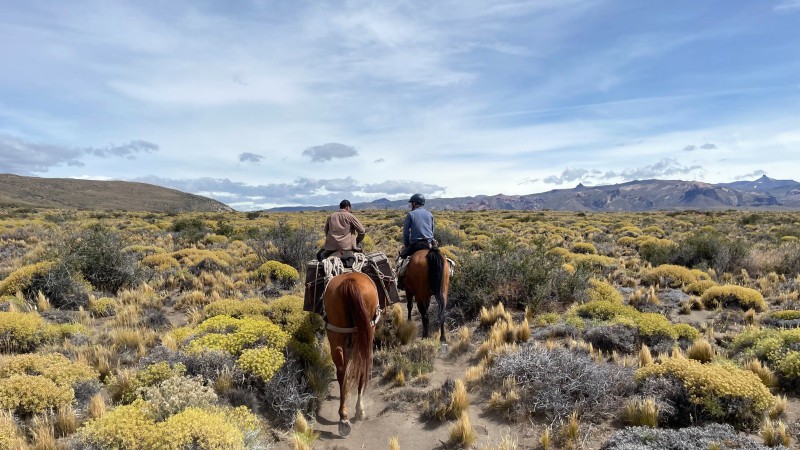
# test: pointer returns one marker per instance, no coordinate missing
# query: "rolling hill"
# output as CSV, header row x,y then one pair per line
x,y
69,193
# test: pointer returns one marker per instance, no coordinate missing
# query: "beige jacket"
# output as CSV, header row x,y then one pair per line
x,y
343,231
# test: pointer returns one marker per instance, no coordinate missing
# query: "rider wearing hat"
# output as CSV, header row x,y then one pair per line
x,y
417,232
343,232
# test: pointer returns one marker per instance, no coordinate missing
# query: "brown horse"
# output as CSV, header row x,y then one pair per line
x,y
425,277
351,306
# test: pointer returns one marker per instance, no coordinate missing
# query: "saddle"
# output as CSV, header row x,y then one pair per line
x,y
375,265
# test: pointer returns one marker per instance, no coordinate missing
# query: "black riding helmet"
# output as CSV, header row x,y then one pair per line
x,y
418,199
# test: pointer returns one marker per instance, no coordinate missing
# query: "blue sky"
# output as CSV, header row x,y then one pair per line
x,y
265,103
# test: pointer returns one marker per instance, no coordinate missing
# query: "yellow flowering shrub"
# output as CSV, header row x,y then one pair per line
x,y
669,275
777,348
263,362
160,261
686,331
717,389
234,335
126,390
103,307
144,250
592,261
604,310
586,248
648,324
22,332
730,294
602,290
698,287
236,308
53,366
20,279
788,314
30,394
130,427
276,272
126,427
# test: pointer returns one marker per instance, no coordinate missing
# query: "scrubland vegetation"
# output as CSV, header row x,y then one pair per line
x,y
144,331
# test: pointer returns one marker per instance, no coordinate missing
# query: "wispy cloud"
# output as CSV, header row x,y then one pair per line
x,y
788,5
663,168
750,176
302,191
327,152
248,157
26,158
128,150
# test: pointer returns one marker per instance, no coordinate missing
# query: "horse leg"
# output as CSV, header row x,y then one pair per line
x,y
362,383
423,312
338,356
410,300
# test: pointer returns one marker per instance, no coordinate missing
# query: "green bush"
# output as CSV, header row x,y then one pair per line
x,y
97,254
518,277
285,243
711,249
728,295
191,229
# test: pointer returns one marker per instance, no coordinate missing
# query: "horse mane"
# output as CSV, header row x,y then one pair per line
x,y
436,273
360,364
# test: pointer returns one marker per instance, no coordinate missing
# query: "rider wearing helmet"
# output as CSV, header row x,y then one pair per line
x,y
417,232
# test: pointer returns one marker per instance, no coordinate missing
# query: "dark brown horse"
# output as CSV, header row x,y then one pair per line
x,y
428,275
351,306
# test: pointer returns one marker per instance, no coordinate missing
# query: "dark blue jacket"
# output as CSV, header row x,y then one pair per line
x,y
417,226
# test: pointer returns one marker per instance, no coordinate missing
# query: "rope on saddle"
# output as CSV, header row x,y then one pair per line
x,y
333,266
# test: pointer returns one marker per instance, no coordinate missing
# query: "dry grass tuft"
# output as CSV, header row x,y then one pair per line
x,y
645,358
763,372
97,407
303,432
506,443
42,434
474,375
546,440
779,407
460,399
462,433
570,432
66,422
394,443
775,434
641,412
700,350
490,316
461,344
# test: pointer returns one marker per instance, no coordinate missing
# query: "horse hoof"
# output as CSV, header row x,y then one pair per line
x,y
345,427
361,415
444,348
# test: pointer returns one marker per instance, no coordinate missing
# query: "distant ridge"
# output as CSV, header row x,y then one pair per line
x,y
16,190
639,195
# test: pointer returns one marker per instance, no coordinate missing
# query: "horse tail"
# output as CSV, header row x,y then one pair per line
x,y
436,270
360,364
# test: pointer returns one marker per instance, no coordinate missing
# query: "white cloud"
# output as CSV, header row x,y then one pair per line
x,y
329,151
788,5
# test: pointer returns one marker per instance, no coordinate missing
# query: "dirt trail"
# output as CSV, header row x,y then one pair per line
x,y
387,417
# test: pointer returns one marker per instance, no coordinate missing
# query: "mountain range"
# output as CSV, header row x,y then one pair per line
x,y
644,195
